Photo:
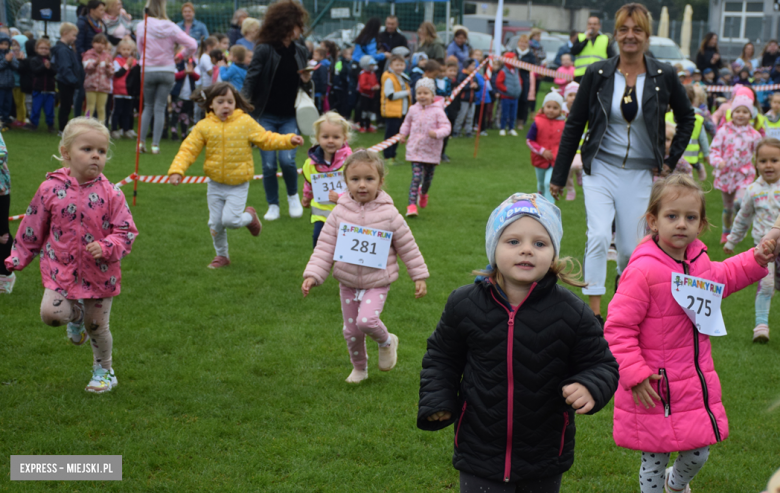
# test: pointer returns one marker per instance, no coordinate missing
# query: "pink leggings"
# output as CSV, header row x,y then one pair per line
x,y
56,310
361,309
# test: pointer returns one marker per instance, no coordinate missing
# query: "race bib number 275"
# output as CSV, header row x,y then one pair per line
x,y
700,299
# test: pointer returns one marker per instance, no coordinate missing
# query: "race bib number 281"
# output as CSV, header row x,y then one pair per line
x,y
357,245
700,299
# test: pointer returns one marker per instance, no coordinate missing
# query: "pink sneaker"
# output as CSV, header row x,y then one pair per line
x,y
424,201
724,238
571,194
219,262
411,211
255,227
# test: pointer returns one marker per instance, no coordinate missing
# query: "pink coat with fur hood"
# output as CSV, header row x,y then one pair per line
x,y
649,333
61,220
420,147
380,214
98,79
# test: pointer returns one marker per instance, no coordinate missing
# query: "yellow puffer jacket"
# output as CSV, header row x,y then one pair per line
x,y
228,147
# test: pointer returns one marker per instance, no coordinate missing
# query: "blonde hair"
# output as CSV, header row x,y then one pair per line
x,y
334,119
671,126
126,42
41,41
79,126
249,24
638,13
682,183
110,3
238,53
67,27
535,31
157,9
429,30
369,157
523,37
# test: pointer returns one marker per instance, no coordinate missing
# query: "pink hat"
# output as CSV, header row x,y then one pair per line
x,y
571,87
744,91
742,100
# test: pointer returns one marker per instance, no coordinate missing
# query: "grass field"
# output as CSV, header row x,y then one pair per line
x,y
230,381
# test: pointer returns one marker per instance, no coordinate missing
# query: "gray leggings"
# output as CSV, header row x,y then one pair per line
x,y
157,87
475,484
653,471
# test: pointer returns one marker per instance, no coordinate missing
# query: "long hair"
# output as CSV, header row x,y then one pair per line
x,y
280,20
207,45
205,97
763,52
429,30
706,41
370,31
157,9
744,48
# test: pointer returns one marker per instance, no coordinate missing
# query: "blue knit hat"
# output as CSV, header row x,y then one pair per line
x,y
517,206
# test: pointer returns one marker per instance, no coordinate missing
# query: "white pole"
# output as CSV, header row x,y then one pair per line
x,y
498,28
429,12
447,21
392,8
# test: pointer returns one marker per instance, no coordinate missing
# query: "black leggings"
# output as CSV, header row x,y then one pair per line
x,y
474,484
5,250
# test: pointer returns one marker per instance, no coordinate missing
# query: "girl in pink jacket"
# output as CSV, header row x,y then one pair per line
x,y
662,356
367,212
81,225
426,125
99,70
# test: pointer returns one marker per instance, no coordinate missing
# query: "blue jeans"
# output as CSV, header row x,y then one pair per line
x,y
45,101
281,125
6,103
508,113
543,182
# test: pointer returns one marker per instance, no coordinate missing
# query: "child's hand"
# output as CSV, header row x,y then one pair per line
x,y
474,85
376,87
644,393
548,155
221,64
764,252
306,202
440,416
730,251
420,289
4,239
578,396
402,140
95,250
175,179
102,64
9,56
308,283
189,68
773,235
297,140
333,196
46,63
432,134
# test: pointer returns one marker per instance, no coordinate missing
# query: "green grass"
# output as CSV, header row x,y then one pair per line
x,y
231,381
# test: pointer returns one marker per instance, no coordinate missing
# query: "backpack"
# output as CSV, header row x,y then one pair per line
x,y
133,81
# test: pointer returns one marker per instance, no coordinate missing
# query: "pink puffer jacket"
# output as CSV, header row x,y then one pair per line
x,y
378,214
649,333
62,219
421,148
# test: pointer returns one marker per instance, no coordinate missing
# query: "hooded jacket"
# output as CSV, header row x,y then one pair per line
x,y
316,164
649,333
228,150
69,69
42,78
161,39
380,213
98,78
88,28
421,148
61,220
7,68
499,371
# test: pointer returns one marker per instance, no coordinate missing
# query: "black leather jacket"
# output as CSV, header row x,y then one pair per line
x,y
594,103
261,71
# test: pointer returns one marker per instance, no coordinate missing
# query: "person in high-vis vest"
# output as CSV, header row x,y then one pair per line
x,y
395,100
698,145
592,46
773,117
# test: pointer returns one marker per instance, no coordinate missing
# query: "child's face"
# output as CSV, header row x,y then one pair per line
x,y
317,57
372,68
86,157
775,104
363,182
566,60
551,110
726,78
331,137
99,47
421,61
570,99
424,96
431,75
696,76
744,75
347,54
524,252
43,49
69,37
669,138
679,221
15,46
471,68
740,116
224,45
126,51
224,106
768,163
4,45
477,55
709,77
397,66
452,72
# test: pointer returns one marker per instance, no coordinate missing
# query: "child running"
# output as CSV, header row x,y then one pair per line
x,y
332,132
661,354
760,206
228,133
7,277
543,139
513,405
731,155
364,290
426,125
81,226
773,116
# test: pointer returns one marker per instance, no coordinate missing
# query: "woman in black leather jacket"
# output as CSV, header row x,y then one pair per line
x,y
622,101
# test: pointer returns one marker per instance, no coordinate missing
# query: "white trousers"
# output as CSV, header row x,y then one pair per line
x,y
226,211
612,193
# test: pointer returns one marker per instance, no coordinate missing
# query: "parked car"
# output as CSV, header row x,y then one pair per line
x,y
478,41
667,51
550,42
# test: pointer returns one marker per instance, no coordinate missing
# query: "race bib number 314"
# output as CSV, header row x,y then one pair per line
x,y
323,183
363,246
700,299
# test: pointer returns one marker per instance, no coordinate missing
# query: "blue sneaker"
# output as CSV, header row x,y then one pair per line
x,y
77,333
102,380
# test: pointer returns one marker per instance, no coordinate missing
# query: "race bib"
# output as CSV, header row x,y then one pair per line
x,y
700,300
323,183
363,246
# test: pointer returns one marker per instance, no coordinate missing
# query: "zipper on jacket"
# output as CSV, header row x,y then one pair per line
x,y
628,147
563,432
704,390
662,385
510,401
460,421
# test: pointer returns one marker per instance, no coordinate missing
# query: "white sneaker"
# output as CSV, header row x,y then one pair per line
x,y
513,132
102,380
668,489
130,134
7,283
296,209
388,356
273,213
502,132
116,135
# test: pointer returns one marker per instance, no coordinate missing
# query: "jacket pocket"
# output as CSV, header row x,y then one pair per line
x,y
460,422
563,432
664,392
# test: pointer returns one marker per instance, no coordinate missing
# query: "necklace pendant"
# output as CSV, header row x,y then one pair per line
x,y
627,99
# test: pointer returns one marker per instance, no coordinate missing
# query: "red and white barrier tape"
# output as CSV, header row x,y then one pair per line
x,y
535,68
765,87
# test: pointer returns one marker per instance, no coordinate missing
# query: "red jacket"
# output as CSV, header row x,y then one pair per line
x,y
544,134
366,83
121,69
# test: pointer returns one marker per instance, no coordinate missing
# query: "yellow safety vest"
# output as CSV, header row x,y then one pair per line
x,y
319,212
773,129
691,153
758,122
393,109
593,52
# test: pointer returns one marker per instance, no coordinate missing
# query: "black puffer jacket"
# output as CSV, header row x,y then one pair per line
x,y
556,341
